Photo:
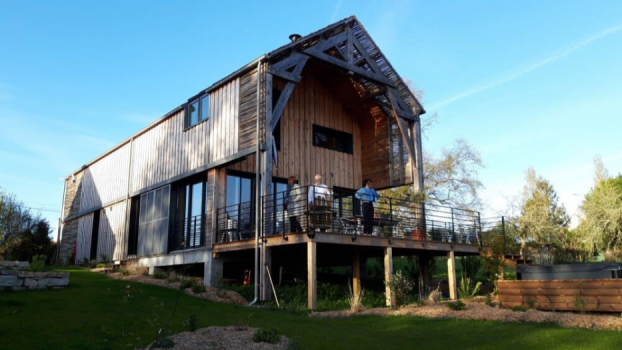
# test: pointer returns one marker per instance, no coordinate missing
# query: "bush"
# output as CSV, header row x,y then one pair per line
x,y
160,275
266,336
100,266
85,262
400,286
125,272
467,290
191,323
457,305
135,269
470,266
530,303
197,288
185,284
488,300
519,308
38,263
579,304
104,258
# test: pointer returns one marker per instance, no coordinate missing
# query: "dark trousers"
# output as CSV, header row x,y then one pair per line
x,y
294,225
368,217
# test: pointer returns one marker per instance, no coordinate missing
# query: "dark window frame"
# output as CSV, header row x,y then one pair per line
x,y
276,94
95,235
201,119
346,138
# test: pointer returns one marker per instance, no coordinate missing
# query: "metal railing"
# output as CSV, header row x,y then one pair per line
x,y
313,209
187,233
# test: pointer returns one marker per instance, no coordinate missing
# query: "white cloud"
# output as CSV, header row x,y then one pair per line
x,y
517,73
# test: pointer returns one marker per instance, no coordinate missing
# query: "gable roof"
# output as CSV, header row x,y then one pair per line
x,y
308,40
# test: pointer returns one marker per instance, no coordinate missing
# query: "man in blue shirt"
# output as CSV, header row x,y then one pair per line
x,y
367,196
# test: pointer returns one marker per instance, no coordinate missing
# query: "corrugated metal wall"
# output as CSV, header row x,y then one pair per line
x,y
85,231
112,240
106,180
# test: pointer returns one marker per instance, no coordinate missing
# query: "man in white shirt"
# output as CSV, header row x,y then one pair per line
x,y
319,205
318,190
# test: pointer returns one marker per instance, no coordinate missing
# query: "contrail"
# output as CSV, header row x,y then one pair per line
x,y
529,68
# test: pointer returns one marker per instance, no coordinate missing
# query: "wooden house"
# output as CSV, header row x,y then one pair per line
x,y
206,183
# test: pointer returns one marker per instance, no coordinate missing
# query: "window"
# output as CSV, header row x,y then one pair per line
x,y
189,203
153,221
332,139
197,111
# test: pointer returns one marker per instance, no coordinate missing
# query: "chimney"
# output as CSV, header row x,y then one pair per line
x,y
295,37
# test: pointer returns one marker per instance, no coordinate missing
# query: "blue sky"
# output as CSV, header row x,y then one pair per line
x,y
528,83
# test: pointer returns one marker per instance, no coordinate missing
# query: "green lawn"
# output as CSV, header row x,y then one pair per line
x,y
92,313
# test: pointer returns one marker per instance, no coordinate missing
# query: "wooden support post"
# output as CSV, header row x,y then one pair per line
x,y
266,288
451,275
388,272
312,275
356,274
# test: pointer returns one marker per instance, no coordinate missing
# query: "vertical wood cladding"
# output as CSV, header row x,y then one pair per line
x,y
311,103
248,110
167,150
85,231
106,180
112,240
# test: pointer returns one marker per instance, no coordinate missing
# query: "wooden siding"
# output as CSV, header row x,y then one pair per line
x,y
167,150
311,103
375,161
604,295
248,111
112,240
106,180
85,231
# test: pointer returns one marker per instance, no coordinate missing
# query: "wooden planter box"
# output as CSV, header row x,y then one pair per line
x,y
418,235
602,295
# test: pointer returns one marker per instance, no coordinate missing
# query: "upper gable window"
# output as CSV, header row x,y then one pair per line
x,y
198,111
332,139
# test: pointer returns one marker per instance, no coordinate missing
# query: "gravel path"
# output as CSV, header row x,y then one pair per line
x,y
479,311
223,338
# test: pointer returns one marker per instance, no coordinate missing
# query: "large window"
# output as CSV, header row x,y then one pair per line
x,y
332,139
153,221
188,228
197,110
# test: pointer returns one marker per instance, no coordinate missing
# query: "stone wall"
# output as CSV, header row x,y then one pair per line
x,y
68,241
13,275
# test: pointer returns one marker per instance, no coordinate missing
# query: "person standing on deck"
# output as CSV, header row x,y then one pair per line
x,y
293,203
318,204
368,196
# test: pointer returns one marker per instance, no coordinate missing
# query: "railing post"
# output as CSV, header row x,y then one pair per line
x,y
424,224
479,229
453,228
390,215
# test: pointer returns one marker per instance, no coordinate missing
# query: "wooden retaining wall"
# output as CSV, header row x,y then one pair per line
x,y
604,295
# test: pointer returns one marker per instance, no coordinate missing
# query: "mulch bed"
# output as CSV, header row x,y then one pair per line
x,y
480,311
211,293
223,338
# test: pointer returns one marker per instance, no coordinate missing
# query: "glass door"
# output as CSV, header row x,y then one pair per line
x,y
240,206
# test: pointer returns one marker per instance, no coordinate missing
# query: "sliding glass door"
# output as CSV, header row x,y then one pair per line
x,y
189,214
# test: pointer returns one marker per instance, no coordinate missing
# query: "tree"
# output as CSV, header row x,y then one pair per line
x,y
542,218
22,234
601,223
450,179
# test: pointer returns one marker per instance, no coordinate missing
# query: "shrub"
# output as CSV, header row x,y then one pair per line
x,y
85,262
488,300
579,304
100,266
467,290
197,288
530,303
191,323
125,272
104,258
166,343
135,269
435,296
185,284
266,336
38,263
160,275
519,308
457,305
400,286
172,277
470,266
356,301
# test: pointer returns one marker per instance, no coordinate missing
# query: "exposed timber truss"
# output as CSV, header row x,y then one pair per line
x,y
347,46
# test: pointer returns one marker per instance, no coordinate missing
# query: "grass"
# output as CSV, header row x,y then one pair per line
x,y
95,313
